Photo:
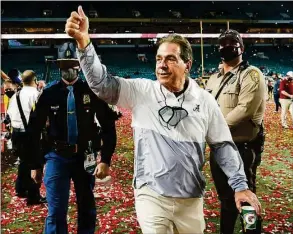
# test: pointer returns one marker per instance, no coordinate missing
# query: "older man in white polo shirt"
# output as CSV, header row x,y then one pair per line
x,y
172,119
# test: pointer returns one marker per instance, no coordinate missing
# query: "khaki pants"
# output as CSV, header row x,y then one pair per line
x,y
286,105
157,214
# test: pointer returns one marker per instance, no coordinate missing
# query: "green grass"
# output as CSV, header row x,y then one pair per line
x,y
116,209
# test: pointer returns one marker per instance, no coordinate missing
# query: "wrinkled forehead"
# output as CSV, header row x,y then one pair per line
x,y
168,48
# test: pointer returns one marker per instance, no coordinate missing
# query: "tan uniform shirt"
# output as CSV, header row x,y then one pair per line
x,y
242,100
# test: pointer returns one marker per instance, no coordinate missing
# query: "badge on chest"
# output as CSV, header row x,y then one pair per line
x,y
55,109
86,99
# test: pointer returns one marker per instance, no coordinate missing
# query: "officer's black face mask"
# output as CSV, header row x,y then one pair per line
x,y
9,93
228,53
69,74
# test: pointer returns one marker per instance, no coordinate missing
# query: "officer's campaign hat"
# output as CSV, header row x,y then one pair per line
x,y
231,34
67,57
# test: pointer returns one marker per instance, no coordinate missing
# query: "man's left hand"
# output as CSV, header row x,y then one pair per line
x,y
36,175
102,170
247,196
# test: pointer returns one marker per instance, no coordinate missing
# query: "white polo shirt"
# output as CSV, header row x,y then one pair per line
x,y
28,98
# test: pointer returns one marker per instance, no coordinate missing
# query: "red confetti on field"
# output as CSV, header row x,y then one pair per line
x,y
115,201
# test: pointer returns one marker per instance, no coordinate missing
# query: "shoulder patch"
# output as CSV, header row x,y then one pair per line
x,y
254,75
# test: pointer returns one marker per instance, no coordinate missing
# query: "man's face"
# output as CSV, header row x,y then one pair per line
x,y
169,65
230,49
9,86
70,74
9,89
229,42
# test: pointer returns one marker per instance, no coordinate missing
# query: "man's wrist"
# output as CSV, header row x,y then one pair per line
x,y
241,189
106,161
83,43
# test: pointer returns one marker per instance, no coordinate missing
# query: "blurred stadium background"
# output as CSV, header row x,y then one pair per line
x,y
125,34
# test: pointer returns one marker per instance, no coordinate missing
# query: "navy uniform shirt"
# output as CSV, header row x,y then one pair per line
x,y
52,105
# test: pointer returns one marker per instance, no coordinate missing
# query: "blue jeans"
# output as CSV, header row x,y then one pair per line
x,y
59,172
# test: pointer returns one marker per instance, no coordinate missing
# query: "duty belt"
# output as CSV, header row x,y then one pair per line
x,y
247,144
64,149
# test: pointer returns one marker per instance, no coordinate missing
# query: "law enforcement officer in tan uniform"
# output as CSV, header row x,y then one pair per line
x,y
239,89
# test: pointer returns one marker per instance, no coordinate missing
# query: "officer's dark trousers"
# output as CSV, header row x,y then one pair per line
x,y
229,212
58,174
277,102
24,182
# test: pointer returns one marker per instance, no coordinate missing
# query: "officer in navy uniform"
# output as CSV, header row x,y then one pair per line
x,y
74,137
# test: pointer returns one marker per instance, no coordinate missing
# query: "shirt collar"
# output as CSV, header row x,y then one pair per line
x,y
29,87
167,93
64,83
233,71
220,73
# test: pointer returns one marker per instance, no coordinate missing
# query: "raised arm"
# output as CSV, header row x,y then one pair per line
x,y
113,90
4,76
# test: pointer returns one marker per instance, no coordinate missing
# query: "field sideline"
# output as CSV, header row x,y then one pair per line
x,y
115,202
